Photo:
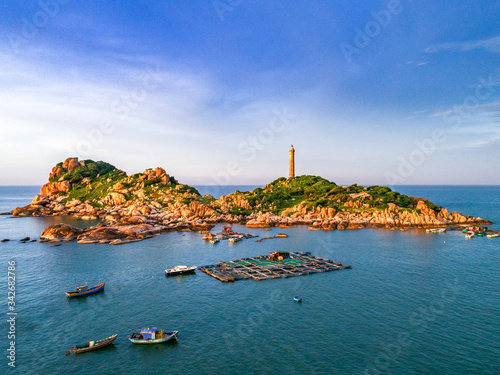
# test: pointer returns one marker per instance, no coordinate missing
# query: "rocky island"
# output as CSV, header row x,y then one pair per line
x,y
134,207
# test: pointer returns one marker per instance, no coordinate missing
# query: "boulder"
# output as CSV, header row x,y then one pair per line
x,y
53,188
57,171
116,199
60,232
70,164
254,223
40,199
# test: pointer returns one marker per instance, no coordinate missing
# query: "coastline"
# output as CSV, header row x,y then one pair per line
x,y
131,208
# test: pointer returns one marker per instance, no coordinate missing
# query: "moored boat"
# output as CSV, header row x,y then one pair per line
x,y
179,270
469,235
152,336
493,235
214,240
235,239
436,230
84,290
92,345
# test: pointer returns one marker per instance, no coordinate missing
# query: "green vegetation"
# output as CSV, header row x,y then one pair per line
x,y
315,192
103,178
90,169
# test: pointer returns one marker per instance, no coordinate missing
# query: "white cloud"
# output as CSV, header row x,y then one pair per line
x,y
491,45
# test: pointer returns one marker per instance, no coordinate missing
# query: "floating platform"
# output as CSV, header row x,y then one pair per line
x,y
272,266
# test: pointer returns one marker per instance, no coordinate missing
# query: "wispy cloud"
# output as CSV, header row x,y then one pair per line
x,y
491,45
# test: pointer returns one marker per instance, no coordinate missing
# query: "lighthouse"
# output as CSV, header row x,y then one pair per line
x,y
292,162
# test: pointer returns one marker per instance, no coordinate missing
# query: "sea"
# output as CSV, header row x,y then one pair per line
x,y
413,302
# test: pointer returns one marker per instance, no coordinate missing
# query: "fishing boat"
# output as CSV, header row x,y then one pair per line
x,y
235,239
179,270
297,299
214,240
493,235
469,235
153,336
91,345
84,290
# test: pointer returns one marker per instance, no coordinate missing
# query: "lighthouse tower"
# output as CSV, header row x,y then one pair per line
x,y
292,162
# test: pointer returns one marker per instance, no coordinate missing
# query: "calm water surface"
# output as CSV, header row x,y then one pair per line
x,y
414,303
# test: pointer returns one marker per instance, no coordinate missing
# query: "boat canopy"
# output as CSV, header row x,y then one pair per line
x,y
148,333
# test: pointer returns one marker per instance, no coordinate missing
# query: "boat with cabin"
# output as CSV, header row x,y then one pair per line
x,y
179,270
152,335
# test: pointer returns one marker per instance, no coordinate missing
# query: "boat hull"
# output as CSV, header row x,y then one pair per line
x,y
177,273
99,345
95,289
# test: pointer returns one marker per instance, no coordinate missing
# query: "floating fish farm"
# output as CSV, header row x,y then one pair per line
x,y
273,266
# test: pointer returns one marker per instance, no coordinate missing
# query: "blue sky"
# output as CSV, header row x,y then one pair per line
x,y
368,92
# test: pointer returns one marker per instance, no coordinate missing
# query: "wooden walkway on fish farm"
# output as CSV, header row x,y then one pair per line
x,y
264,268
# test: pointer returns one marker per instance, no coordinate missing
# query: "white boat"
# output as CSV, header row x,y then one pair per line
x,y
179,270
436,230
469,235
493,235
214,240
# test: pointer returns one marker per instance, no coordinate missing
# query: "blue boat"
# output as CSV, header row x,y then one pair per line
x,y
153,336
84,290
297,299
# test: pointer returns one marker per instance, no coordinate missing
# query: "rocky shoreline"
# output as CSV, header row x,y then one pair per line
x,y
133,223
140,206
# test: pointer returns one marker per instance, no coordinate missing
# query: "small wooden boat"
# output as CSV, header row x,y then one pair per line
x,y
493,235
297,299
179,270
84,290
153,336
91,345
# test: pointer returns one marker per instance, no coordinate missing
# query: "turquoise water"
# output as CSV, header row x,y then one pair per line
x,y
414,303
